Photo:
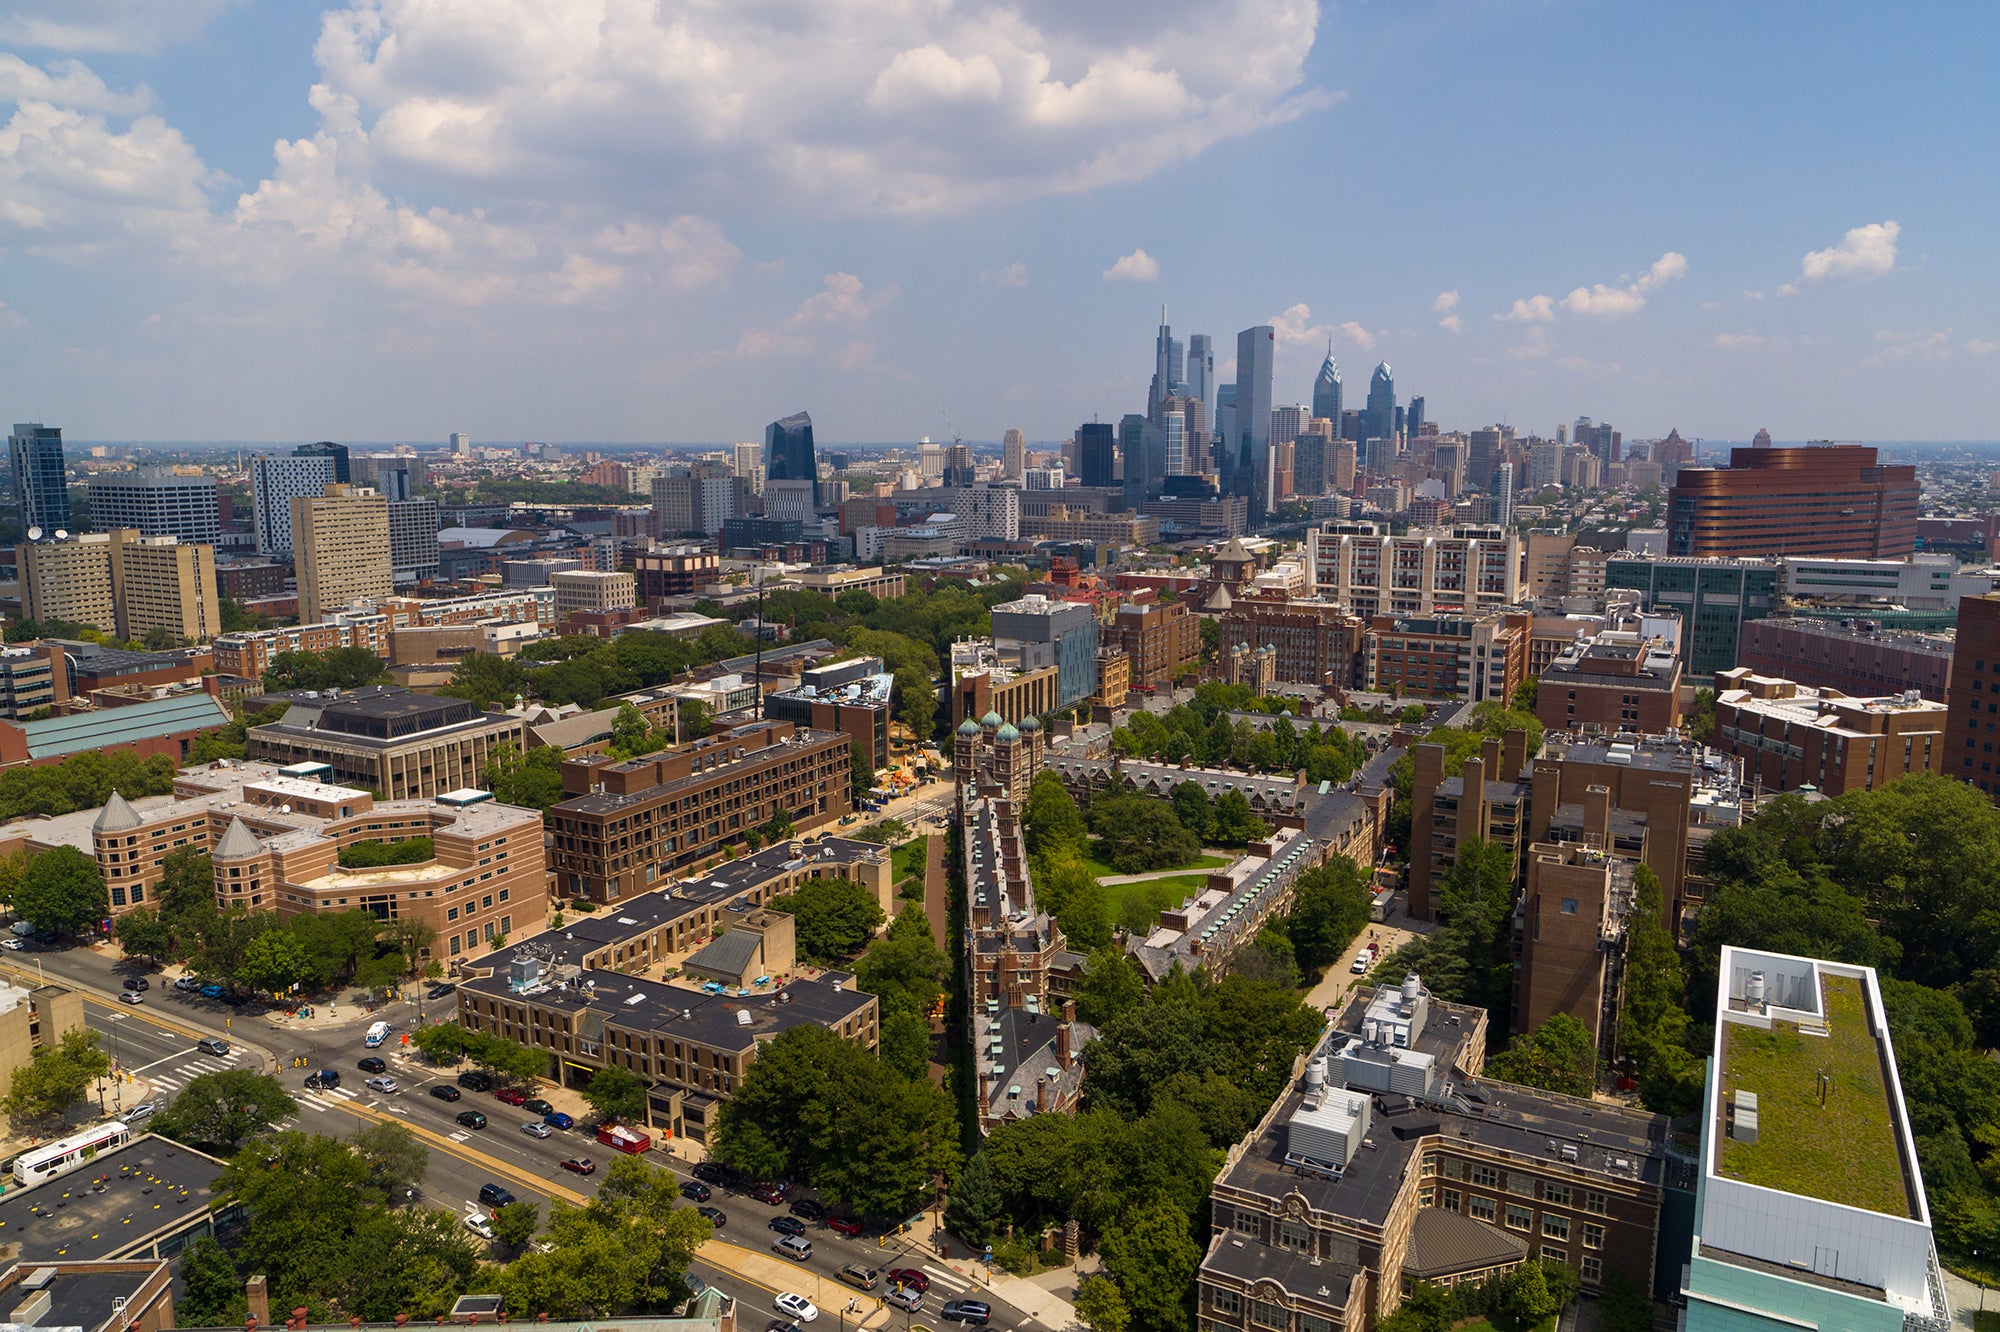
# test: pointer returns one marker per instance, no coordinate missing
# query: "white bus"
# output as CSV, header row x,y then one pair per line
x,y
38,1165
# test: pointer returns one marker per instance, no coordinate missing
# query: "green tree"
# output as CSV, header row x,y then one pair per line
x,y
1556,1056
832,917
1137,835
1700,719
274,962
12,869
1232,823
339,668
1191,807
617,1094
396,1160
691,719
975,1209
1528,1297
1111,986
1050,818
56,1077
1101,1307
916,703
532,780
486,680
442,1043
211,1291
1525,694
141,933
861,772
514,1225
217,1111
1154,1259
1330,905
62,890
420,1261
905,965
307,1200
905,1042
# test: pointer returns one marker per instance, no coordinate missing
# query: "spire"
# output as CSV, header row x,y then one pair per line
x,y
116,816
238,841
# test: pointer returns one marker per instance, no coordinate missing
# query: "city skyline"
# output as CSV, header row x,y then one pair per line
x,y
225,221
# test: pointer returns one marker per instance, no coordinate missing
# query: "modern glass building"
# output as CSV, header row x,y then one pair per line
x,y
1096,453
326,448
1200,368
788,449
39,485
1037,632
1326,389
157,501
1712,597
1251,446
1381,417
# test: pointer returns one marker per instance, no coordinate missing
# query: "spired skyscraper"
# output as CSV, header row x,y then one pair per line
x,y
1168,369
1250,449
1380,419
1326,390
39,484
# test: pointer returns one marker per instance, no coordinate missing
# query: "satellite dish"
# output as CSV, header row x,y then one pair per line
x,y
34,534
62,534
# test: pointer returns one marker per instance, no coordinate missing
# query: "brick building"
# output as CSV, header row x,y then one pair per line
x,y
1974,717
1572,938
1314,642
1617,681
1854,656
1469,660
675,571
1789,736
405,745
1158,639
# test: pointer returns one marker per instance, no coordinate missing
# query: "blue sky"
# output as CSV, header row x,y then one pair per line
x,y
551,219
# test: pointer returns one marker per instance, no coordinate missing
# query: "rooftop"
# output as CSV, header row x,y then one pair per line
x,y
126,1195
108,728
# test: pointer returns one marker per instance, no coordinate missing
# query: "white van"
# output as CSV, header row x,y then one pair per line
x,y
377,1034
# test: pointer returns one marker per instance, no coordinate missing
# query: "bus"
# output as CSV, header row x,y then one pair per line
x,y
38,1165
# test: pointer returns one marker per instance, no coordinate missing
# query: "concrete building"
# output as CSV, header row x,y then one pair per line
x,y
1836,500
1064,522
122,583
274,484
853,697
1363,567
1920,582
831,582
588,590
675,571
1788,736
1042,631
157,501
1467,659
32,676
407,746
1853,656
33,1017
1811,1209
986,678
413,538
625,823
340,541
70,579
1617,680
1389,1160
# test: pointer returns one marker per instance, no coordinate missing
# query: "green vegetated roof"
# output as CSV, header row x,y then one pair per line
x,y
1845,1151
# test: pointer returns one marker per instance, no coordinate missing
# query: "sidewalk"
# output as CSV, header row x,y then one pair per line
x,y
1042,1297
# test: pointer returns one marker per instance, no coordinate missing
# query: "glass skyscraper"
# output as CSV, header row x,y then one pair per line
x,y
1380,421
788,450
1201,370
328,449
1326,390
39,485
1251,447
1096,453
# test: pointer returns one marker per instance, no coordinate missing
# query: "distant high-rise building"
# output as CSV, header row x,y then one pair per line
x,y
40,486
1173,425
123,583
342,468
1761,440
1288,422
461,443
1503,495
1381,413
1413,420
1251,448
788,450
1326,389
1013,455
958,469
274,484
340,549
1096,453
1143,445
1200,369
413,537
1224,435
749,459
158,502
1168,370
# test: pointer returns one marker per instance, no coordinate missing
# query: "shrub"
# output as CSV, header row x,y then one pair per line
x,y
371,855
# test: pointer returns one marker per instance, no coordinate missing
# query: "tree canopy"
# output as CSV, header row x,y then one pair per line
x,y
832,917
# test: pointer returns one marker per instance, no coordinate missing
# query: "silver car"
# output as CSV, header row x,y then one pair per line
x,y
383,1085
535,1128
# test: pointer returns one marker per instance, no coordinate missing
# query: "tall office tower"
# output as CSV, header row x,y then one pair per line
x,y
1378,455
1143,444
1503,495
156,501
1381,415
1224,432
1200,369
1760,440
164,584
1482,456
958,465
930,461
1173,425
749,463
413,538
1606,445
340,548
1836,499
1312,458
1096,453
1326,389
1545,466
461,443
396,478
1013,455
39,485
343,469
274,484
1340,467
837,462
788,450
1168,371
1413,420
1252,445
1583,432
1288,423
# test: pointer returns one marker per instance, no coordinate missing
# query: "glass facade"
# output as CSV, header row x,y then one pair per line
x,y
37,454
1712,597
788,449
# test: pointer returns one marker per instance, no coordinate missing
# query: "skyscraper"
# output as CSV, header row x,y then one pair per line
x,y
788,449
958,470
749,464
1167,368
1326,389
1224,436
1144,447
1013,455
1414,419
1381,415
1096,446
1252,444
461,443
1173,424
1200,369
274,484
39,486
158,501
341,549
326,448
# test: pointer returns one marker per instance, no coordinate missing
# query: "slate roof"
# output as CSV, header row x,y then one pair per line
x,y
1443,1243
727,954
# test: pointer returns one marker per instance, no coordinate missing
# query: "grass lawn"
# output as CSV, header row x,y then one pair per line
x,y
1104,869
908,859
1986,1321
1180,886
1844,1151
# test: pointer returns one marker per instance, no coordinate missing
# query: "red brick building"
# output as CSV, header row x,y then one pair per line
x,y
1789,736
1836,499
1158,640
1972,727
1616,681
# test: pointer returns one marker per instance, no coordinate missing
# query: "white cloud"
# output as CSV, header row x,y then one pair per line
x,y
1533,310
1613,302
1452,324
1892,346
1981,346
1137,266
1537,346
105,25
1865,252
1013,275
1740,341
1444,306
1296,332
827,323
66,83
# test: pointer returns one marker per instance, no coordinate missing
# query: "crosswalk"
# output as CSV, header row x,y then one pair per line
x,y
948,1279
173,1079
326,1098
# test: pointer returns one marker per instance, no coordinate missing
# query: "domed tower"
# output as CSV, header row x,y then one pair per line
x,y
965,751
1035,741
1010,762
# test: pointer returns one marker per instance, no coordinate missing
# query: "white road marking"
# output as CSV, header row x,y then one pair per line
x,y
951,1279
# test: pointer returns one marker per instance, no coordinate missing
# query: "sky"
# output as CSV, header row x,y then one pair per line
x,y
623,220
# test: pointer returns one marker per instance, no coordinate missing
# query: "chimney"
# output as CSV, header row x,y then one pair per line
x,y
1597,815
1043,1101
1062,1036
1069,1010
257,1292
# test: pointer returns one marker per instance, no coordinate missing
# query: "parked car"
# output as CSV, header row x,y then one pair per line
x,y
861,1276
580,1165
780,1325
214,1045
511,1096
481,1226
137,983
439,991
715,1174
767,1193
715,1216
131,997
795,1247
556,1119
373,1064
537,1106
697,1191
810,1208
13,943
909,1277
187,983
472,1119
976,1312
535,1128
212,991
476,1081
444,1091
796,1306
387,1086
846,1225
787,1225
322,1079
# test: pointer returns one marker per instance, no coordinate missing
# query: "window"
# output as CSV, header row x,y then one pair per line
x,y
1520,1185
451,913
1263,1313
1448,1200
1594,1201
1486,1176
1593,1236
1554,1255
1480,1209
1226,1302
1555,1227
1429,1166
1520,1218
1309,1323
1246,1222
1291,1235
1556,1193
1569,906
1593,1268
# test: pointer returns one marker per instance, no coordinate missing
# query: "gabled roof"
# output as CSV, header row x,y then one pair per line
x,y
116,816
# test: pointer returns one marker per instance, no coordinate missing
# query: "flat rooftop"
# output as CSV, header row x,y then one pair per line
x,y
1825,1126
151,1184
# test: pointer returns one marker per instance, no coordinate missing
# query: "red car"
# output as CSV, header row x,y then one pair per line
x,y
910,1277
846,1225
580,1165
768,1193
511,1096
